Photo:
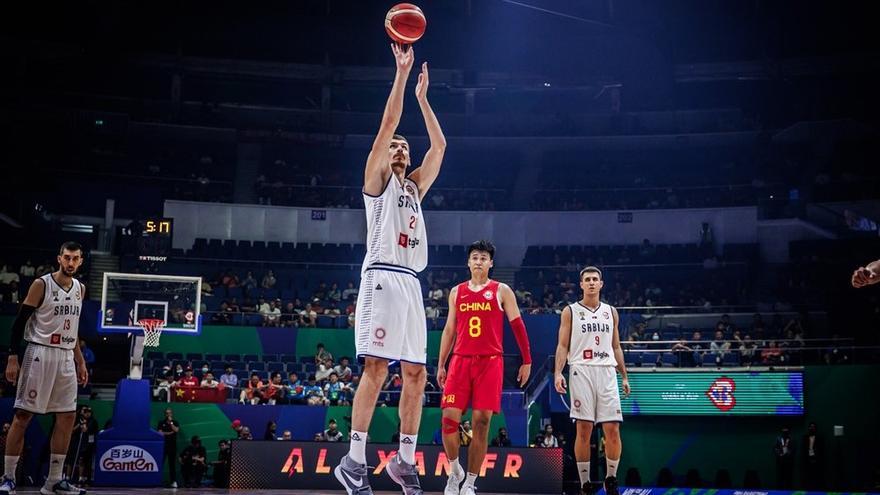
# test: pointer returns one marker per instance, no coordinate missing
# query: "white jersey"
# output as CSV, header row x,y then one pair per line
x,y
396,233
591,336
55,323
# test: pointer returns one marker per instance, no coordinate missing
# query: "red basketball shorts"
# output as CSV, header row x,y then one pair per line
x,y
474,380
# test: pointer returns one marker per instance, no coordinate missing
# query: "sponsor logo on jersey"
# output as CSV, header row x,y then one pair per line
x,y
128,459
55,338
67,340
488,295
577,404
588,354
601,355
32,394
403,240
380,333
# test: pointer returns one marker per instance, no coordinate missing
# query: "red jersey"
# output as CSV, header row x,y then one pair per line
x,y
479,321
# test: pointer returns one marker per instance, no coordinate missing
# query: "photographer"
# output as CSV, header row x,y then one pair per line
x,y
81,451
193,465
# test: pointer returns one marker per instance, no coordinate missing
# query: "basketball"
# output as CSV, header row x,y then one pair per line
x,y
405,23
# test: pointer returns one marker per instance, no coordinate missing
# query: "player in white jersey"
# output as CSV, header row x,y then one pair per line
x,y
51,366
390,316
590,343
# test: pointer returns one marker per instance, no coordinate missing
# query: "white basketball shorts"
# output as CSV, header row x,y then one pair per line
x,y
46,380
594,393
390,315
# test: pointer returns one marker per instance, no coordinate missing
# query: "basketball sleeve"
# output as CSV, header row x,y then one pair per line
x,y
522,340
24,313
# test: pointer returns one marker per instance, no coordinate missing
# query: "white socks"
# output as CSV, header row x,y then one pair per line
x,y
11,462
56,464
611,466
455,467
471,479
584,472
357,447
407,449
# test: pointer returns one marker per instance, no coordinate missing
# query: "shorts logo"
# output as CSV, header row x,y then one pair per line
x,y
449,399
55,339
380,333
588,354
488,295
577,404
32,394
378,286
403,240
37,359
720,394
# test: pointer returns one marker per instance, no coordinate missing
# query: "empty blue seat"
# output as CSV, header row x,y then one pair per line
x,y
250,357
275,366
270,357
257,366
232,358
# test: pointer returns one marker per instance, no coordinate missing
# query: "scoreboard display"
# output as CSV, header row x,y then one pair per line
x,y
154,239
713,393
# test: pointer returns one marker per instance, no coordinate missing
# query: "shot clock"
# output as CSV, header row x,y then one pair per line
x,y
154,242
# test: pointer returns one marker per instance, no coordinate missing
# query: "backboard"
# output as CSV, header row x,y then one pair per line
x,y
127,298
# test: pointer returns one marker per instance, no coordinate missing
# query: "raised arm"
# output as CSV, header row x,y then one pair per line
x,y
378,169
508,303
618,352
866,275
562,349
425,175
447,339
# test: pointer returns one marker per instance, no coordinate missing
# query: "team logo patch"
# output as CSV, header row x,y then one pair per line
x,y
380,333
720,394
581,315
488,295
410,190
55,339
605,315
32,394
77,295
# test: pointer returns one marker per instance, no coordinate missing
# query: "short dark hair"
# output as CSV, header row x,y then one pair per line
x,y
70,246
400,138
482,245
319,345
590,269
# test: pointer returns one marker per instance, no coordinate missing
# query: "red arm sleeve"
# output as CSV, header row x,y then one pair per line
x,y
522,339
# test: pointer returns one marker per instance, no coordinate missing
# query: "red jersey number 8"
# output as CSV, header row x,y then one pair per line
x,y
475,326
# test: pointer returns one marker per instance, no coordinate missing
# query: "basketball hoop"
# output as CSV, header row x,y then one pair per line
x,y
152,330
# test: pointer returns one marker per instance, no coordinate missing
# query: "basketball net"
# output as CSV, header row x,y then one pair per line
x,y
152,331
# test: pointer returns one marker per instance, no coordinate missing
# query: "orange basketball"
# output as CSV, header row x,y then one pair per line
x,y
405,23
